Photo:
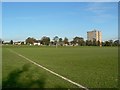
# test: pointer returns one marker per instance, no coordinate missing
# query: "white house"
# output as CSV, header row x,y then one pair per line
x,y
17,43
36,43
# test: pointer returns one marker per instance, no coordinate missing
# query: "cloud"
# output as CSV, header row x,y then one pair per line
x,y
98,7
101,11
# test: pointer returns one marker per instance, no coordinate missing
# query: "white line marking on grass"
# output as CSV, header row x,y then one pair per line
x,y
79,85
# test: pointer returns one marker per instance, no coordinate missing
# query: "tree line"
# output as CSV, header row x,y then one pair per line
x,y
77,41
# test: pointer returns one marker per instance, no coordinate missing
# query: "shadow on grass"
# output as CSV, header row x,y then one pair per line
x,y
22,78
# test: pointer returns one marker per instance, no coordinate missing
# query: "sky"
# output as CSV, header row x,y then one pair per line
x,y
60,0
63,19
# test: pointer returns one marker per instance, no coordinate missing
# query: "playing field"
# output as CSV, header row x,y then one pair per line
x,y
92,67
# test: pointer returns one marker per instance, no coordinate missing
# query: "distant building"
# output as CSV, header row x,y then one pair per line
x,y
94,35
17,43
36,43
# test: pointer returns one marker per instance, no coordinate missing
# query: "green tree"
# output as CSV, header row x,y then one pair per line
x,y
56,38
111,42
61,41
107,43
79,40
94,42
30,40
0,41
11,41
98,43
88,43
66,40
116,43
45,40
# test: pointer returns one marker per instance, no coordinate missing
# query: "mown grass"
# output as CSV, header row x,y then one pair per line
x,y
12,62
0,66
93,67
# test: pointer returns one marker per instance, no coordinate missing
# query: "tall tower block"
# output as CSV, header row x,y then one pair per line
x,y
97,35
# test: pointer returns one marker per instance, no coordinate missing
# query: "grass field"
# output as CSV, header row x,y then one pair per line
x,y
0,66
93,67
